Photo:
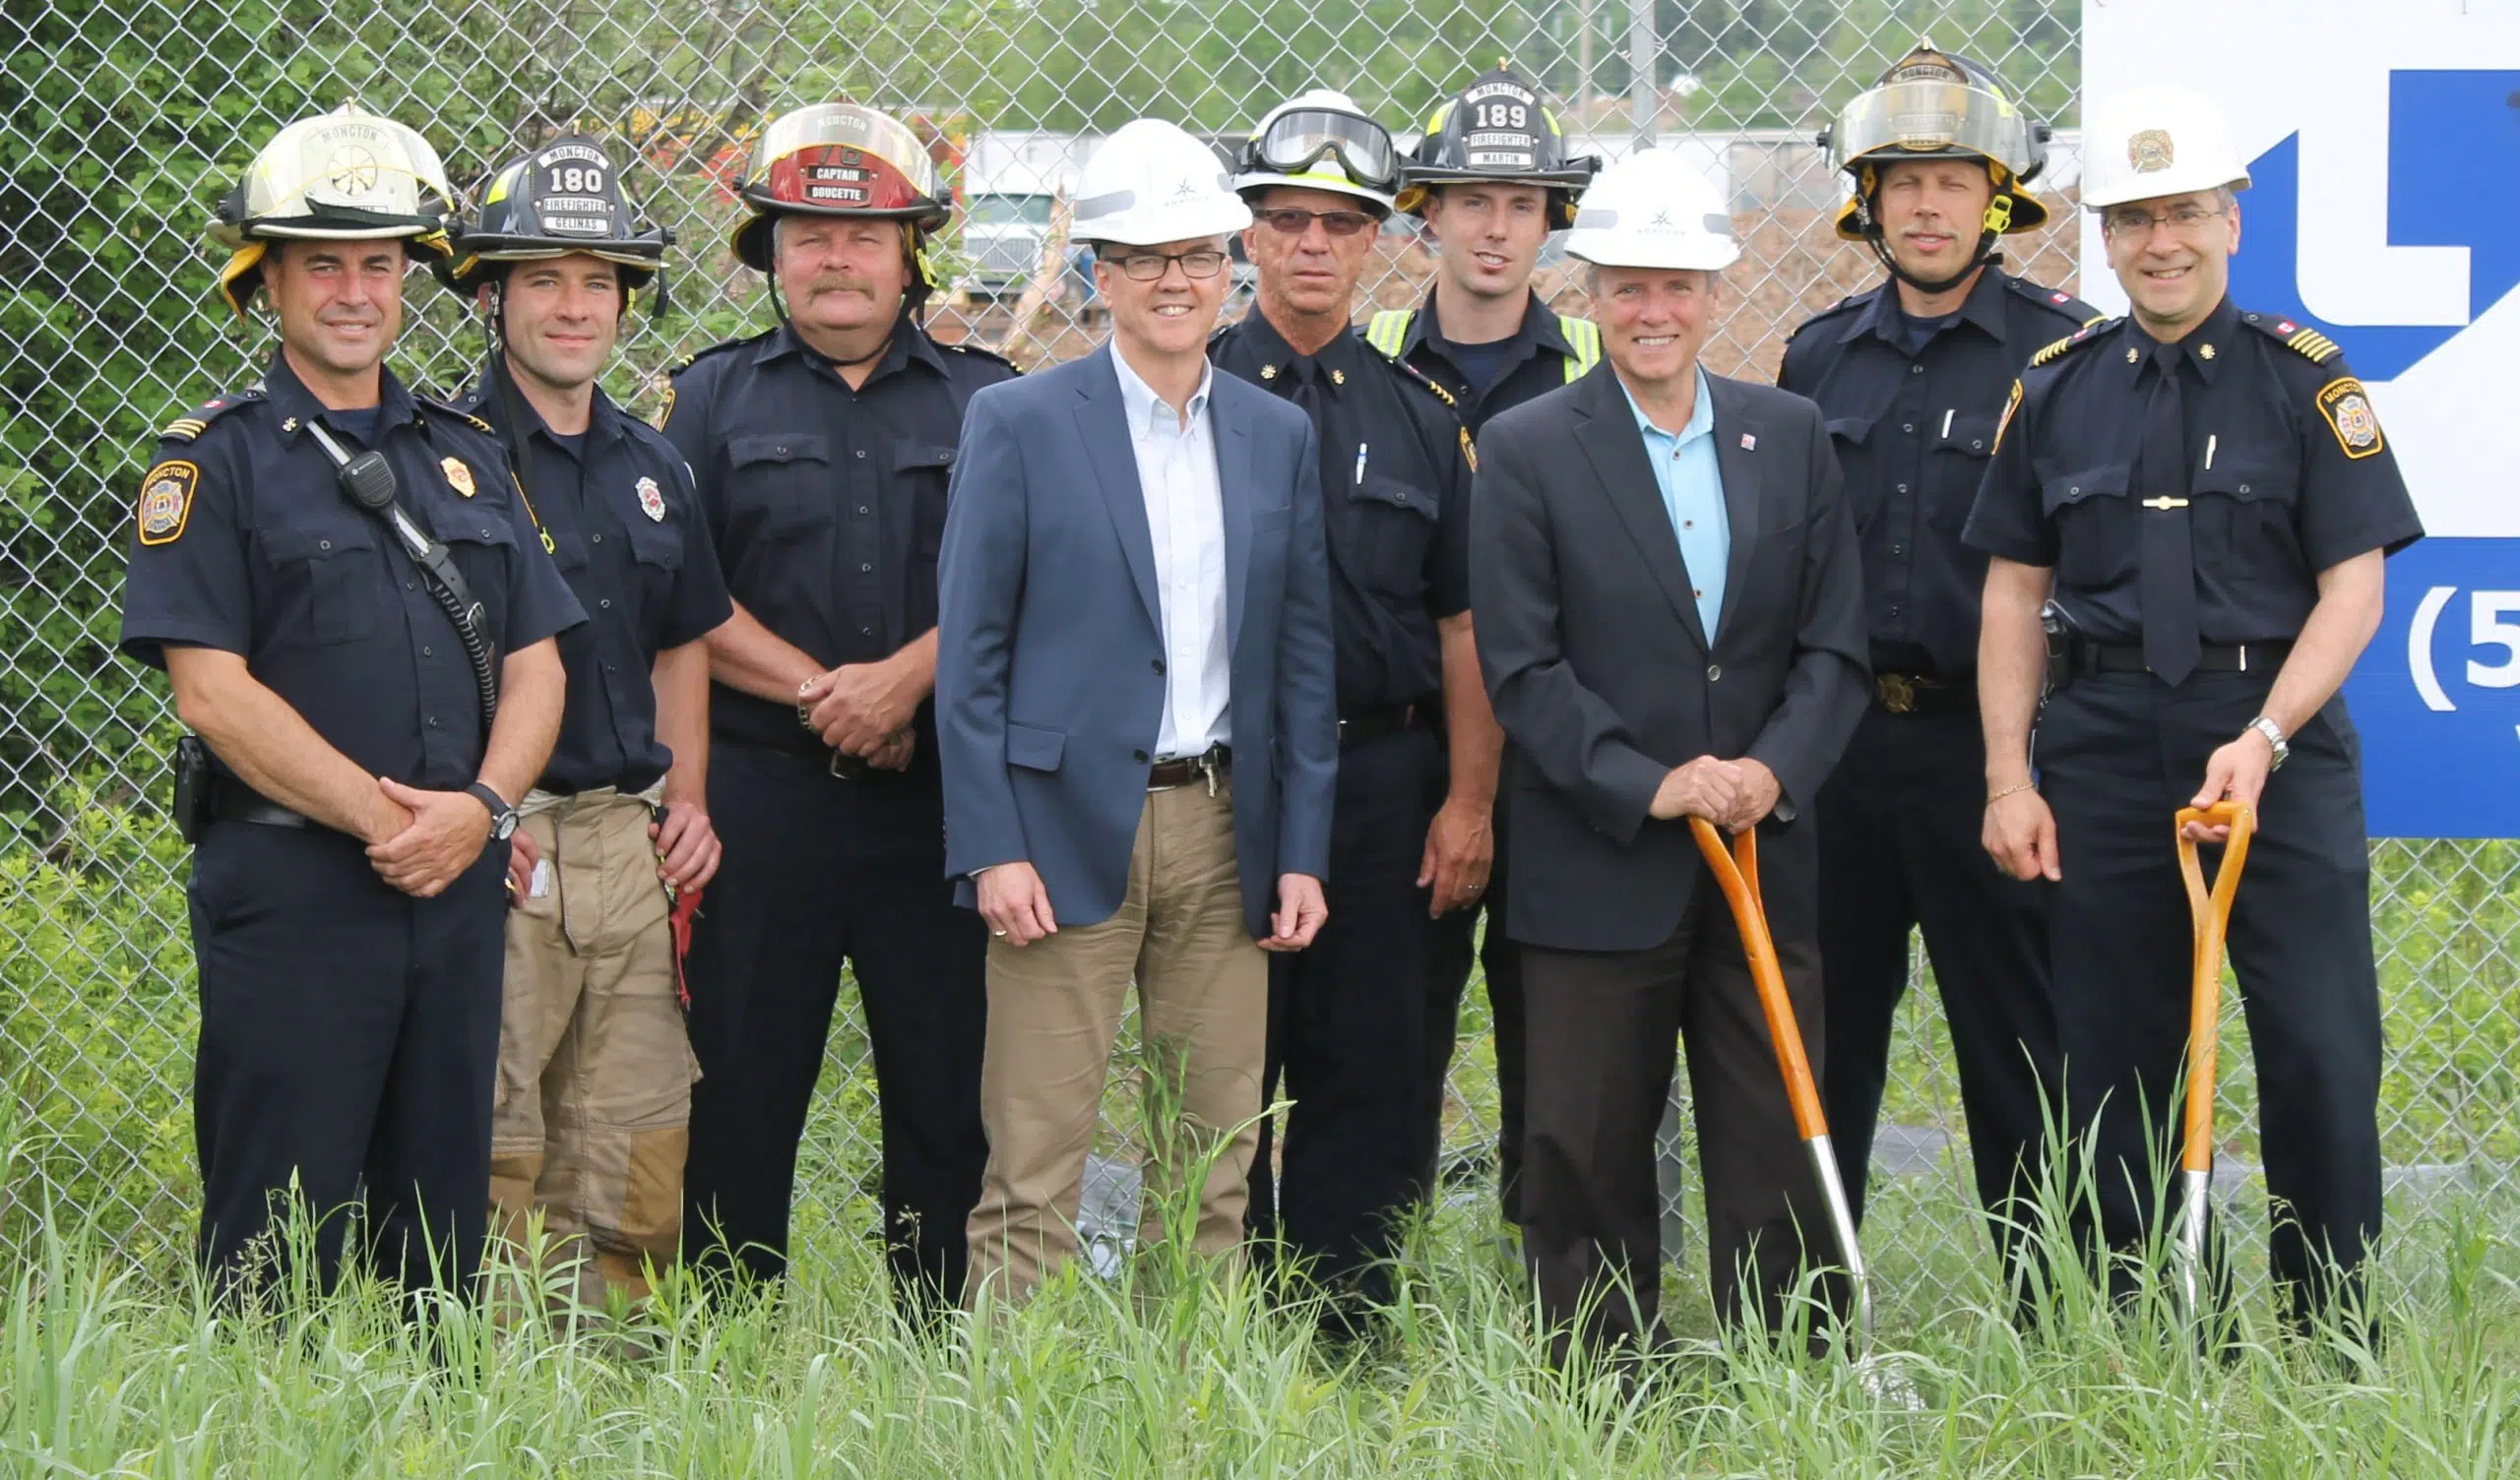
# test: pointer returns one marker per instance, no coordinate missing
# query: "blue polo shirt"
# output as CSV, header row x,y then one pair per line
x,y
1693,485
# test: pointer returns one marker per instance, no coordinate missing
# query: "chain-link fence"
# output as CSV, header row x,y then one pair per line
x,y
120,126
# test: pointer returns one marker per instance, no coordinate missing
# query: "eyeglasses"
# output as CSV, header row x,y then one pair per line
x,y
2134,225
1150,267
1294,222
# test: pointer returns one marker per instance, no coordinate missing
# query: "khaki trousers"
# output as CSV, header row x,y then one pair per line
x,y
594,1107
1055,1008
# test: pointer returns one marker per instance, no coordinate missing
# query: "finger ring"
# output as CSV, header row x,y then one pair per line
x,y
1000,934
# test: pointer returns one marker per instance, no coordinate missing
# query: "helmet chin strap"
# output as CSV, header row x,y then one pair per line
x,y
1985,253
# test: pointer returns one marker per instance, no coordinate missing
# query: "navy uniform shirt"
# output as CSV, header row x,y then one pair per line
x,y
1914,425
827,503
626,532
2289,474
246,543
1537,359
1395,486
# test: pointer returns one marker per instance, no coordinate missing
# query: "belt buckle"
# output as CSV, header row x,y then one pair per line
x,y
1896,692
845,767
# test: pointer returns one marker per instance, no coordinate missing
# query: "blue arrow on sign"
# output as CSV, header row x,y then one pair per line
x,y
2454,148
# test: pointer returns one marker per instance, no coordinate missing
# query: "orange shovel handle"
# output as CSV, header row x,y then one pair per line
x,y
2211,914
1736,873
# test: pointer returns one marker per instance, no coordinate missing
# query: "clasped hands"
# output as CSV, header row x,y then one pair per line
x,y
1734,795
864,709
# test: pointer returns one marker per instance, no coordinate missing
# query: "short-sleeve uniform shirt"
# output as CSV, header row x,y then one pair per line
x,y
2289,474
244,541
626,532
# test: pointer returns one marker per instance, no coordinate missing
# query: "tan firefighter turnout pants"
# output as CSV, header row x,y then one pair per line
x,y
593,1106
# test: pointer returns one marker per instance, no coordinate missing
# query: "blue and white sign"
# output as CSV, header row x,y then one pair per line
x,y
2384,154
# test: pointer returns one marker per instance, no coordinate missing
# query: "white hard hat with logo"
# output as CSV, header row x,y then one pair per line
x,y
1321,140
1152,182
2155,142
1651,209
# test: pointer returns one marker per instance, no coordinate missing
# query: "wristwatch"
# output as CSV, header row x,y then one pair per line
x,y
2274,734
502,816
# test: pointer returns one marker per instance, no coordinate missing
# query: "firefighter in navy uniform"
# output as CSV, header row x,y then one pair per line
x,y
1911,376
1491,179
2206,498
1410,833
595,1068
821,449
356,617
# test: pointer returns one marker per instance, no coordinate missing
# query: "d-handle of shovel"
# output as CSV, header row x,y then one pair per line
x,y
2210,912
1736,873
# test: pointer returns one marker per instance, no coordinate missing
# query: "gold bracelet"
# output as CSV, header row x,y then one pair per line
x,y
2014,789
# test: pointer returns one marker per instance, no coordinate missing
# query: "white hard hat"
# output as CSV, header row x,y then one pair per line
x,y
1151,183
1650,210
347,175
1321,140
2155,142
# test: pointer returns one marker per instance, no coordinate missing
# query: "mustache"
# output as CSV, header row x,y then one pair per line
x,y
842,282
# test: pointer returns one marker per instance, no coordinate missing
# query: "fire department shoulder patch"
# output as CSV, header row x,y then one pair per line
x,y
2347,409
651,500
166,501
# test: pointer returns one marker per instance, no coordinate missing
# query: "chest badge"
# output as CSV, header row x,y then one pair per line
x,y
457,474
651,500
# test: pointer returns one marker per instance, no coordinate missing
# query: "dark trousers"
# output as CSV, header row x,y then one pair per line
x,y
1900,848
1453,944
821,872
1604,1028
349,1040
2119,754
1345,1023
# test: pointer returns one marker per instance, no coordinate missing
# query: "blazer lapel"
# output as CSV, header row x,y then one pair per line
x,y
1104,425
1738,460
1231,440
1617,448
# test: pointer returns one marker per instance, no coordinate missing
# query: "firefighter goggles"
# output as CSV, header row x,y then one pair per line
x,y
1295,140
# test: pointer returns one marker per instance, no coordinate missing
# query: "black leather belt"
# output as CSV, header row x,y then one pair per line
x,y
1368,725
2234,657
233,803
1164,775
1919,694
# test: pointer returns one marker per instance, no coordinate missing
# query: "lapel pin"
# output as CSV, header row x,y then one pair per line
x,y
1749,444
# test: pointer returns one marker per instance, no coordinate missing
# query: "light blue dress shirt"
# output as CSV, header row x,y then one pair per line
x,y
1693,485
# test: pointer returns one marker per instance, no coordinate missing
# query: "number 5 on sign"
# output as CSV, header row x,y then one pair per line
x,y
2493,621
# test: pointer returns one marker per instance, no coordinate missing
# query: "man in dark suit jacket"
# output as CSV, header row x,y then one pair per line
x,y
1137,718
1669,608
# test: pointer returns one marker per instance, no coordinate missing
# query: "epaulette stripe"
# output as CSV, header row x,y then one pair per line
x,y
2053,350
2095,321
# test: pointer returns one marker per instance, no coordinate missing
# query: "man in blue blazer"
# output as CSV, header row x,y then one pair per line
x,y
1137,719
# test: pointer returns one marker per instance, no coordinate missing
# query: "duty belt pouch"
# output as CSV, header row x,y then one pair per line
x,y
192,787
2062,638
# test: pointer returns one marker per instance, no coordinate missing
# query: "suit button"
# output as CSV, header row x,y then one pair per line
x,y
1158,666
1137,755
1714,672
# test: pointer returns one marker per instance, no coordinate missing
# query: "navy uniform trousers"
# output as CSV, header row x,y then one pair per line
x,y
349,1039
1901,847
1453,944
821,872
2119,755
1347,1019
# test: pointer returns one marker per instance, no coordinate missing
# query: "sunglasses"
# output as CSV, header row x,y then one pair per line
x,y
1294,221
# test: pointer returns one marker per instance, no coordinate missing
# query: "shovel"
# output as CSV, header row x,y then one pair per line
x,y
2211,916
1736,872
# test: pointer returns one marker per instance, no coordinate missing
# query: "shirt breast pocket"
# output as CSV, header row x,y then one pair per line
x,y
1962,447
1851,437
484,549
335,572
656,556
2244,510
925,471
779,483
1394,525
2092,513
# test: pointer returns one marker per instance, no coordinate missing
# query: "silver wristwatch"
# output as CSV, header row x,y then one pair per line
x,y
2274,734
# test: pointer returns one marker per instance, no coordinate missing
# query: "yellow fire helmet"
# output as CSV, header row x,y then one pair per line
x,y
347,175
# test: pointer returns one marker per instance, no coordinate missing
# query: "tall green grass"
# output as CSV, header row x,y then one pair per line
x,y
110,1368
